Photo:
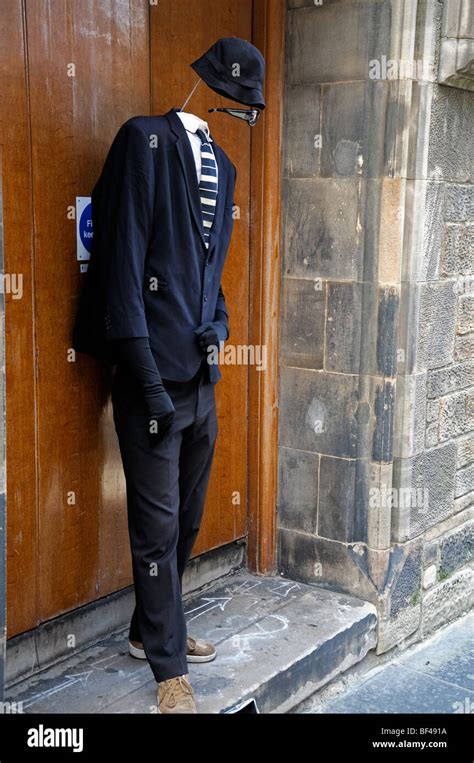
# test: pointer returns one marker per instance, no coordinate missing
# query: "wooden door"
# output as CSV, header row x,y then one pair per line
x,y
200,24
22,518
72,72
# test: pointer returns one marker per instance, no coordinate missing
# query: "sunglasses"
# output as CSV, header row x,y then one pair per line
x,y
249,115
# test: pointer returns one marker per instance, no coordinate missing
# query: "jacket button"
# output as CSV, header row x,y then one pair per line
x,y
205,298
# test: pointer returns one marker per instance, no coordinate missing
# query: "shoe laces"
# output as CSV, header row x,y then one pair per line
x,y
176,689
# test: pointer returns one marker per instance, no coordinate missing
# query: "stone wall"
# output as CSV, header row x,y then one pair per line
x,y
376,312
434,443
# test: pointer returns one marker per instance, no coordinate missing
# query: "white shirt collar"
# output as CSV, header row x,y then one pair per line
x,y
192,123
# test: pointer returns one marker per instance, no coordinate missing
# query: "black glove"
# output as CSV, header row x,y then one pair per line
x,y
211,334
137,354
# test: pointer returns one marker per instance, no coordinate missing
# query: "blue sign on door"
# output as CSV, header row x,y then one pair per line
x,y
84,227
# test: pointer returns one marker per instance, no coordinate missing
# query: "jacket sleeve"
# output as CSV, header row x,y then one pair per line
x,y
136,353
221,313
124,220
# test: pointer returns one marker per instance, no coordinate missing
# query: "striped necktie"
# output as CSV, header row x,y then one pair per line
x,y
208,185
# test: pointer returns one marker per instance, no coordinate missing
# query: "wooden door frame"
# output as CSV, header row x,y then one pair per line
x,y
3,462
265,269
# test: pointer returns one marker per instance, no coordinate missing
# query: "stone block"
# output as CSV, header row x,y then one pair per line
x,y
327,563
458,19
343,327
465,454
435,316
353,128
343,492
379,510
465,314
432,436
391,218
432,410
379,253
378,346
433,230
302,131
401,605
431,553
456,549
459,203
417,134
302,323
327,45
463,503
405,589
395,630
410,413
369,328
447,601
464,347
448,525
389,303
298,490
456,414
384,410
455,63
458,250
450,379
323,230
426,48
423,229
451,144
318,412
427,485
429,576
464,481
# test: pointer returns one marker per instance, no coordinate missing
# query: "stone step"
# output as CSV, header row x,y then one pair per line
x,y
278,641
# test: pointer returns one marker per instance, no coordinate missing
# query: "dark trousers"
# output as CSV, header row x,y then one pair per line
x,y
166,490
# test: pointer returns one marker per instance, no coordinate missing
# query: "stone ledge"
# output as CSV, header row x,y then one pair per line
x,y
277,641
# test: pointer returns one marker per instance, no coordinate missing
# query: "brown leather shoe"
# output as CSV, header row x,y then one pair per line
x,y
197,650
176,696
135,649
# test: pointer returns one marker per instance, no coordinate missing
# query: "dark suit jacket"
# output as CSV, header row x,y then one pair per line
x,y
150,273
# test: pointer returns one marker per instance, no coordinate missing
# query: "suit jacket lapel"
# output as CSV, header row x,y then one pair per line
x,y
186,157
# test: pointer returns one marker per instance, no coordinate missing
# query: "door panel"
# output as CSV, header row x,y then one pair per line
x,y
88,72
200,24
77,69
